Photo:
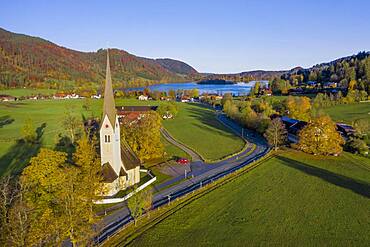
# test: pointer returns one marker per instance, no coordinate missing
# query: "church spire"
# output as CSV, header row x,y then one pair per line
x,y
109,107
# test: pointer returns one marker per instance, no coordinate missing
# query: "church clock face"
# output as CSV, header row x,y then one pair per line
x,y
106,126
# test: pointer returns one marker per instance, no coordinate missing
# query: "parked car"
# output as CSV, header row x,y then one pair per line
x,y
182,161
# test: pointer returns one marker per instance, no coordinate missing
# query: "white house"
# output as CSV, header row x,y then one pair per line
x,y
143,97
120,166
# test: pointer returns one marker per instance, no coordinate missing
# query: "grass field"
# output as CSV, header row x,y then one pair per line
x,y
27,91
197,127
349,113
293,199
47,115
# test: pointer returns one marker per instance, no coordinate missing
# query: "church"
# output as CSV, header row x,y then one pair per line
x,y
120,165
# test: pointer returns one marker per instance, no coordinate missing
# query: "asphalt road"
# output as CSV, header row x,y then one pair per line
x,y
201,173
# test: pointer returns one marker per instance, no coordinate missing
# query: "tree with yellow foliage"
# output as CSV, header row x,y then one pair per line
x,y
144,136
298,107
320,137
42,180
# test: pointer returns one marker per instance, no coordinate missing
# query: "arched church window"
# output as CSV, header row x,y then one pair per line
x,y
107,138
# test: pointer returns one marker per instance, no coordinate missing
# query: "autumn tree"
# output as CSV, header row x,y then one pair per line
x,y
248,117
167,110
72,124
226,97
276,133
19,221
82,184
136,204
255,89
264,108
172,94
7,196
231,110
147,195
298,107
43,179
194,93
320,137
144,136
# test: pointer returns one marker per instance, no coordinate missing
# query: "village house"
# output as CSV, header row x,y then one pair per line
x,y
66,96
143,97
5,98
133,113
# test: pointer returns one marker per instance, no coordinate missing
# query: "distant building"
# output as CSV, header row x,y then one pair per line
x,y
133,113
96,96
143,97
345,130
293,126
5,98
185,99
120,165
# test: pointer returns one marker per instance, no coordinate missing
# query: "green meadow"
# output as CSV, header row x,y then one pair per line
x,y
27,92
292,199
349,113
195,126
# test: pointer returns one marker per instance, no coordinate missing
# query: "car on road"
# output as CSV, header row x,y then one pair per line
x,y
182,161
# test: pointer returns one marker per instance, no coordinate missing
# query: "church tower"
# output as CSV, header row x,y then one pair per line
x,y
110,140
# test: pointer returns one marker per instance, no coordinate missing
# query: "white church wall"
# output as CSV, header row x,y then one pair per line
x,y
111,150
116,200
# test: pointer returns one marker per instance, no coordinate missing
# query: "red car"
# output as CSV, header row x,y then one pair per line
x,y
183,161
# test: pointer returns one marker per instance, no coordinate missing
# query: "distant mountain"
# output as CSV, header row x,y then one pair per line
x,y
27,61
176,66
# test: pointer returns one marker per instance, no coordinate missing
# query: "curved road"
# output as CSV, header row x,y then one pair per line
x,y
201,173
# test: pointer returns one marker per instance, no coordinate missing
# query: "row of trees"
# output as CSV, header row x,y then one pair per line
x,y
319,136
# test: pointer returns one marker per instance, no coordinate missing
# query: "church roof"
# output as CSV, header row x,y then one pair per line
x,y
109,107
108,173
129,158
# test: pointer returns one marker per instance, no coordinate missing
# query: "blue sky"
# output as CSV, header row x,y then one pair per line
x,y
212,36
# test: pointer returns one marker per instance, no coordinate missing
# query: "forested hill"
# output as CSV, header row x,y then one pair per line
x,y
354,68
176,66
32,61
342,71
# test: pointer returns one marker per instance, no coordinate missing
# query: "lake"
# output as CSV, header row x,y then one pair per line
x,y
240,88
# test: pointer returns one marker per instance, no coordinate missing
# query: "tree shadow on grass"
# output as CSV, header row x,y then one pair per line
x,y
358,187
19,155
65,145
5,120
